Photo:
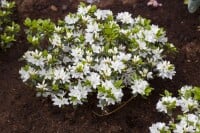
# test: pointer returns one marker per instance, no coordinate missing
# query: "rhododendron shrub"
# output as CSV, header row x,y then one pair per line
x,y
188,119
93,51
8,28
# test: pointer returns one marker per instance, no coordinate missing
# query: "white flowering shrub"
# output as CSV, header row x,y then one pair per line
x,y
8,28
93,51
188,120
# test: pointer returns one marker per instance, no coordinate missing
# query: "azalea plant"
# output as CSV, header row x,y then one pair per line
x,y
38,30
8,28
94,52
188,120
193,5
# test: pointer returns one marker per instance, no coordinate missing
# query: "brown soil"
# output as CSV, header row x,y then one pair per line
x,y
22,112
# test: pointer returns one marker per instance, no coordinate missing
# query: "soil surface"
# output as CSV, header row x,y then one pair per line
x,y
22,112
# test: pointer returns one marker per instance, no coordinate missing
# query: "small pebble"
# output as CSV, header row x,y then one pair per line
x,y
54,8
64,7
188,60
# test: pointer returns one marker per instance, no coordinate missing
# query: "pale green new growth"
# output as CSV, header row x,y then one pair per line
x,y
8,28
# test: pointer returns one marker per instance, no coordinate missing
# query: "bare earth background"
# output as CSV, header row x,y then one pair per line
x,y
22,112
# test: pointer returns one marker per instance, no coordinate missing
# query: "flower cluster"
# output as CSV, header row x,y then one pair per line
x,y
93,51
8,28
189,120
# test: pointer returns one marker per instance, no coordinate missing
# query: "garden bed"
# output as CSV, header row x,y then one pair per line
x,y
21,111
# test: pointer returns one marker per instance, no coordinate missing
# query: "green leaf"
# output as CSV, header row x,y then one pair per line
x,y
118,83
45,53
167,93
93,9
28,22
185,2
148,91
55,87
197,93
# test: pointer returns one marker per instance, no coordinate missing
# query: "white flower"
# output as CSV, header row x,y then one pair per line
x,y
96,48
25,75
108,84
149,36
113,50
123,57
157,54
136,58
139,86
92,28
125,18
4,3
83,10
58,28
165,69
94,79
66,60
49,57
102,14
193,118
158,127
35,57
105,69
89,38
149,75
59,100
118,65
78,93
43,90
48,74
42,86
165,102
105,99
81,67
87,18
75,72
142,44
71,19
145,73
188,124
184,89
61,74
56,40
187,104
154,29
164,39
77,53
180,127
45,93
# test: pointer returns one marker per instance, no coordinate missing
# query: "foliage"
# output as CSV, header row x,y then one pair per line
x,y
93,51
8,28
38,30
193,5
188,121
